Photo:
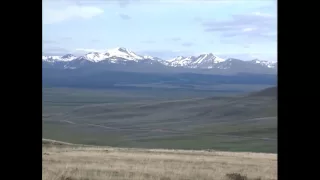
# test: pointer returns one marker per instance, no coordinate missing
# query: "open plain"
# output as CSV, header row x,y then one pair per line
x,y
77,162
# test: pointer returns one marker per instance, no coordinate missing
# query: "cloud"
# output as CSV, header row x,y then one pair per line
x,y
254,25
57,40
124,16
148,42
89,50
58,51
121,3
247,46
95,41
66,39
124,3
197,19
165,54
55,14
54,50
268,56
175,39
187,44
49,42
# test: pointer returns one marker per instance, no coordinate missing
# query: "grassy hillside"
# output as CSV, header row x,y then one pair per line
x,y
161,119
271,91
74,162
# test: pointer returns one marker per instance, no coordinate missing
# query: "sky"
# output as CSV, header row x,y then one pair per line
x,y
163,28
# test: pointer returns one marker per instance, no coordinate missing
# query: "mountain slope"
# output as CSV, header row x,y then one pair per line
x,y
268,92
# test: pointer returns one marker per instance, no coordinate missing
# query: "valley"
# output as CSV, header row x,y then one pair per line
x,y
165,119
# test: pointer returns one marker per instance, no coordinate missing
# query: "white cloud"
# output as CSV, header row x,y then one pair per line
x,y
56,15
54,50
124,16
268,56
262,14
254,26
248,29
89,50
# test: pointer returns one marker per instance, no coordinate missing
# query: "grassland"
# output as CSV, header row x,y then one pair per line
x,y
63,161
161,119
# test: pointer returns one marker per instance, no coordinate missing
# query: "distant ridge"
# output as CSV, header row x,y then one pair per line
x,y
269,92
123,58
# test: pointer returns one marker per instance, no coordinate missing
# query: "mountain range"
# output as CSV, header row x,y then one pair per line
x,y
124,59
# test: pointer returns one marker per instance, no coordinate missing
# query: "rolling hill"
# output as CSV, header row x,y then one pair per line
x,y
232,123
271,91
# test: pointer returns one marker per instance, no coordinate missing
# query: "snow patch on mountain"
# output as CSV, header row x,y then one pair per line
x,y
113,55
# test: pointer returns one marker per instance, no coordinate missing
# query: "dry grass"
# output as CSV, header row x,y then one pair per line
x,y
67,162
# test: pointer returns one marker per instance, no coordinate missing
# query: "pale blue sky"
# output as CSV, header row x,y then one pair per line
x,y
162,28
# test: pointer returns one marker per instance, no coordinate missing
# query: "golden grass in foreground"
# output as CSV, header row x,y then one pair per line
x,y
97,163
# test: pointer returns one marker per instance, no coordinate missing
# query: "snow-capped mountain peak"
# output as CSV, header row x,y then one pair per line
x,y
50,58
148,57
269,64
121,49
123,53
201,61
67,57
178,58
94,56
113,55
179,61
123,56
208,58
